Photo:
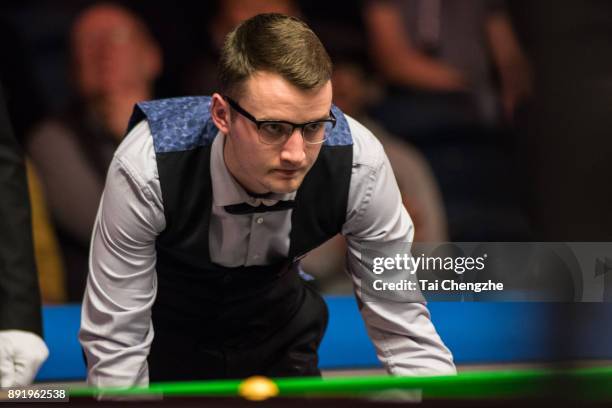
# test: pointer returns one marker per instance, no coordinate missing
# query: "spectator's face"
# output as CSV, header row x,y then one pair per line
x,y
112,52
280,168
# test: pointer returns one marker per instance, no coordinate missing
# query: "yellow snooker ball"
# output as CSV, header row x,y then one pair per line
x,y
258,388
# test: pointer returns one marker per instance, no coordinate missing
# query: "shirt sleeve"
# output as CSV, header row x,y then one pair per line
x,y
402,332
116,329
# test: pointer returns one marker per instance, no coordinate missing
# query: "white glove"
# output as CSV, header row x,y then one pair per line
x,y
21,355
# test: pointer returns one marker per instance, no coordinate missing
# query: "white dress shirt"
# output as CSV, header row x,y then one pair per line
x,y
116,327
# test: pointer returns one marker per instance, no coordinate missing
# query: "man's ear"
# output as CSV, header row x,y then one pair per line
x,y
220,112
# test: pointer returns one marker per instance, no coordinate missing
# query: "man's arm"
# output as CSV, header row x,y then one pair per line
x,y
116,329
403,334
22,349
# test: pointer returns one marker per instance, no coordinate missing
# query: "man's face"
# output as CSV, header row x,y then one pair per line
x,y
263,168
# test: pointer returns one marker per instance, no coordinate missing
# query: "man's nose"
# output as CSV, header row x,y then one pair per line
x,y
293,149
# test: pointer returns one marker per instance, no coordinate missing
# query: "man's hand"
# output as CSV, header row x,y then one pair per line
x,y
21,355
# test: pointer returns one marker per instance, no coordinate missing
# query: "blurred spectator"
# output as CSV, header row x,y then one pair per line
x,y
435,56
201,76
442,95
115,62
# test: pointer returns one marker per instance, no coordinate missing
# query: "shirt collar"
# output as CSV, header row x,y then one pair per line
x,y
226,190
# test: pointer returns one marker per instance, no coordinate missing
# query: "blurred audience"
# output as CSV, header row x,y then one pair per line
x,y
435,56
200,77
455,77
115,62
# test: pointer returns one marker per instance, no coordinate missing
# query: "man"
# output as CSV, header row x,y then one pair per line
x,y
209,205
22,349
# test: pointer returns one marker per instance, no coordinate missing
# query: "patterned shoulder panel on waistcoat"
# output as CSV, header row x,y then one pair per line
x,y
179,124
341,134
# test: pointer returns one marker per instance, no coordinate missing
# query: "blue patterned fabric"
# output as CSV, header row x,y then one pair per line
x,y
180,124
341,134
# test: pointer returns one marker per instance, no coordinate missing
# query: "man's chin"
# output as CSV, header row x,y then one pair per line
x,y
285,186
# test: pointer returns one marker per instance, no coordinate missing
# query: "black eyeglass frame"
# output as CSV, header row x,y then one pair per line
x,y
259,123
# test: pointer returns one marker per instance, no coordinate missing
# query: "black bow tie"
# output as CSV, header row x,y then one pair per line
x,y
244,208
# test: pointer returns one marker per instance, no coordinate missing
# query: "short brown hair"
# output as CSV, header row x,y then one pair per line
x,y
276,43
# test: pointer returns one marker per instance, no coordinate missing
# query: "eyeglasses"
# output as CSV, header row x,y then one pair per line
x,y
276,132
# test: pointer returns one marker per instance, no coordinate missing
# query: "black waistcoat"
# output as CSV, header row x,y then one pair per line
x,y
212,321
